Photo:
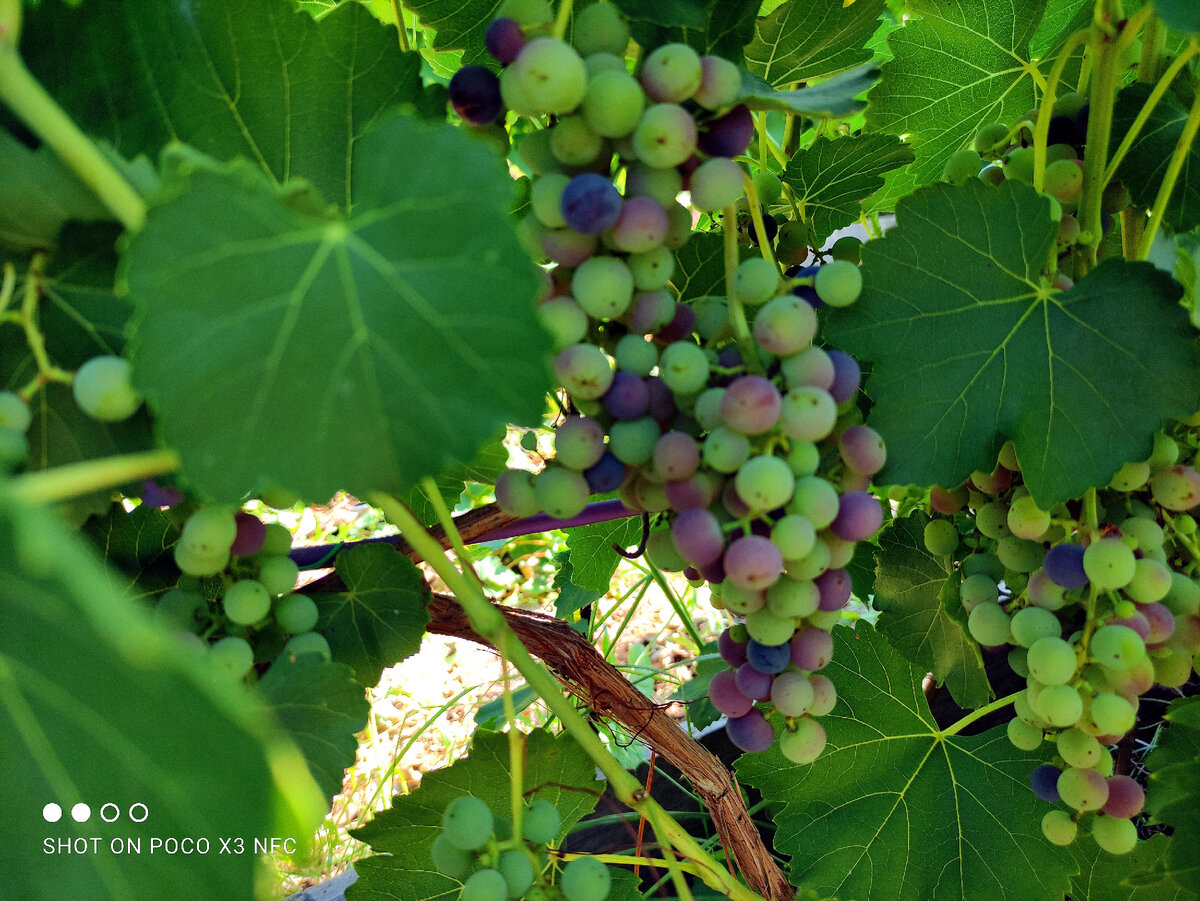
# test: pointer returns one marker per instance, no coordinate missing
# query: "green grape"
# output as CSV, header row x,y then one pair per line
x,y
793,535
978,590
176,609
546,199
1109,563
541,822
1026,519
1019,165
1019,554
1165,453
1059,705
768,187
716,184
210,529
278,574
665,137
14,447
1018,661
468,822
14,412
1063,180
684,367
983,564
988,138
231,658
547,77
1116,647
193,561
793,597
765,483
848,248
1023,735
307,643
1112,714
246,602
1114,835
1082,788
450,860
561,492
766,627
1184,597
614,104
1079,749
1151,581
1145,531
278,541
962,166
941,537
1131,476
585,879
792,695
804,742
485,885
653,269
989,625
1052,661
1059,828
103,389
633,441
755,281
296,613
600,28
517,871
634,353
1032,623
992,520
838,283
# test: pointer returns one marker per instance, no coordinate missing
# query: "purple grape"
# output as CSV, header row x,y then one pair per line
x,y
696,492
768,658
628,397
590,203
751,405
1161,623
752,683
846,376
726,696
732,652
859,516
862,449
1064,566
770,226
475,95
732,501
1044,782
504,40
681,325
806,292
251,533
607,475
751,733
729,356
676,456
662,401
650,312
811,649
567,247
728,135
698,537
713,573
753,562
1126,797
156,495
835,587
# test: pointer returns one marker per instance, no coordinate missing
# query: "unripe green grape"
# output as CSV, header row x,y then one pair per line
x,y
307,643
755,281
603,286
808,414
941,537
103,389
1109,563
246,602
1059,828
992,520
1082,789
988,137
816,499
1184,597
585,879
651,270
716,184
720,83
210,529
804,742
1020,555
450,860
1130,477
177,608
1079,749
546,199
561,492
671,73
600,28
468,822
1114,835
684,367
517,871
1063,180
573,142
485,885
515,494
632,441
1026,519
278,574
766,627
14,412
1059,705
564,319
296,613
978,590
768,187
584,370
793,535
231,658
541,822
1176,487
1112,714
546,77
1033,623
1052,661
838,283
1019,165
989,625
765,483
614,104
983,564
193,561
527,13
1151,581
665,136
792,597
1023,735
1165,452
14,447
725,450
1018,661
962,166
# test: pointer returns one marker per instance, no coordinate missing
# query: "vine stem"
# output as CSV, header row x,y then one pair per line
x,y
74,479
998,704
489,622
564,19
737,312
1099,130
760,231
404,46
31,103
1182,149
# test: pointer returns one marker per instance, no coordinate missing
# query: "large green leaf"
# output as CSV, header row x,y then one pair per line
x,y
832,178
1182,15
837,98
457,25
896,810
1144,166
971,346
590,549
720,27
1107,877
952,71
380,618
801,40
98,706
555,770
914,593
251,78
1173,795
700,266
366,353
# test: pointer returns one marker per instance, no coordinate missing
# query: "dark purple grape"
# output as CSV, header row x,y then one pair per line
x,y
846,376
713,573
156,495
1063,130
859,516
590,203
770,226
1064,566
251,533
475,95
504,40
806,292
729,356
731,651
752,683
751,732
768,658
607,475
661,405
835,586
1044,782
681,326
1081,118
728,135
628,397
727,697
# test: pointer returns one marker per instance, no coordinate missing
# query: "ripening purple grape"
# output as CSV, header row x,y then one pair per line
x,y
698,536
590,203
1126,797
681,326
846,376
726,696
641,226
1064,565
732,651
607,475
862,449
650,312
1138,623
811,649
251,533
835,587
1044,782
859,516
696,492
475,95
811,367
751,405
785,325
662,401
566,246
1161,620
728,135
752,683
676,456
752,733
768,658
504,40
753,562
156,495
627,397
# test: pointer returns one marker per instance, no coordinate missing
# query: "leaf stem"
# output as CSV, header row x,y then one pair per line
x,y
404,45
1104,87
563,20
760,231
31,103
737,312
676,605
75,479
516,754
1182,149
998,704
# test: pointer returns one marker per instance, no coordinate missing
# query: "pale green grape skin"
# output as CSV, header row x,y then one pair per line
x,y
1059,828
838,283
14,412
585,879
1059,705
517,871
231,658
989,625
1079,749
1031,623
978,589
1082,789
450,860
103,389
1109,563
195,562
1052,661
755,281
485,885
296,613
1112,714
600,28
541,822
561,492
804,743
467,822
278,575
941,537
278,541
1151,581
1116,836
210,529
1023,735
307,643
246,602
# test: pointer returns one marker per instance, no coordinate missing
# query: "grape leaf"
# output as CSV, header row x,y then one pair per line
x,y
571,597
233,78
380,618
719,27
1143,168
457,25
894,809
700,266
491,460
1107,877
321,707
1173,794
590,550
667,13
801,40
99,706
836,98
970,346
1182,15
953,70
910,585
367,352
831,179
556,770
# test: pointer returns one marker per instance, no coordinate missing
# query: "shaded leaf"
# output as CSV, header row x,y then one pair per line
x,y
1182,15
970,346
457,25
802,40
1173,793
590,550
720,27
571,598
836,98
1107,877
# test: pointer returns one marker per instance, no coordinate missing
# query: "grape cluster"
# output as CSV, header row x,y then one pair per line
x,y
478,848
1093,615
721,414
235,596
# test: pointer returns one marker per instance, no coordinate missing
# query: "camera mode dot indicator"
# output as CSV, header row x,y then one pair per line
x,y
52,813
81,813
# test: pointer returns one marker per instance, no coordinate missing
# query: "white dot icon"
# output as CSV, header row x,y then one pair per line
x,y
81,813
52,813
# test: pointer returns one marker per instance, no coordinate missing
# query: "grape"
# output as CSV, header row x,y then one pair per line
x,y
296,613
1126,798
803,742
1114,835
1044,593
1146,532
1162,623
811,649
1019,165
768,187
584,371
808,414
989,136
627,398
698,536
177,609
1059,705
641,227
651,271
1151,581
475,95
978,589
1059,828
1176,487
755,281
764,483
515,494
573,143
1019,555
717,183
585,879
1112,714
767,658
246,602
467,822
676,456
1052,661
607,475
671,73
750,405
962,166
989,625
561,492
603,285
1079,749
720,83
579,442
307,643
250,533
546,198
1026,519
838,283
633,441
517,871
792,694
794,536
1184,597
231,658
698,490
613,104
681,227
1024,736
752,683
816,500
753,562
946,501
567,247
728,135
785,325
450,860
941,537
195,561
1116,647
1044,781
1064,565
103,389
650,312
278,575
1062,180
862,449
859,516
824,695
504,40
541,822
684,367
546,77
1082,789
1131,476
731,650
811,366
664,185
751,733
665,137
725,695
14,412
992,520
1033,623
600,28
485,885
1109,563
